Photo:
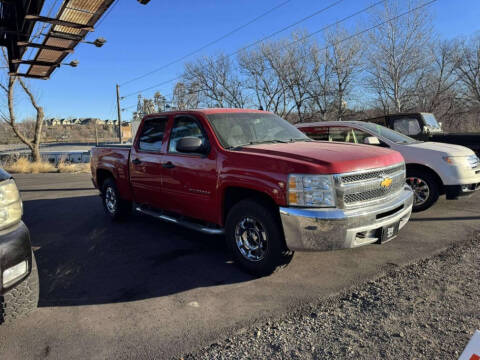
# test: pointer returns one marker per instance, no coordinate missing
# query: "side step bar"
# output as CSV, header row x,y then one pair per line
x,y
184,223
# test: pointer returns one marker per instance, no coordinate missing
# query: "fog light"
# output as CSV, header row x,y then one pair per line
x,y
14,273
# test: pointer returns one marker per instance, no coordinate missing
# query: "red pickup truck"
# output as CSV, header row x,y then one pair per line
x,y
257,179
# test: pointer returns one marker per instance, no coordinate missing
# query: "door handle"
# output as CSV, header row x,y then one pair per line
x,y
168,165
136,161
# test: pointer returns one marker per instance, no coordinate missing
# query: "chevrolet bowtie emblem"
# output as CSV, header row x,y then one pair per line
x,y
386,183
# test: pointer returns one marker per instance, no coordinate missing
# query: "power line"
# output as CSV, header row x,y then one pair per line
x,y
302,20
263,39
353,35
210,43
107,13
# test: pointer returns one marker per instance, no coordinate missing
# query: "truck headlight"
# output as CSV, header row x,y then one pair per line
x,y
10,204
311,190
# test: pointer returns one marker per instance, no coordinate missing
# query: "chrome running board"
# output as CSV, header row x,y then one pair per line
x,y
186,224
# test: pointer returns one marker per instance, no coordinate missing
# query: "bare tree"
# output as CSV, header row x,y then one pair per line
x,y
321,101
267,89
468,69
11,119
291,63
344,61
437,92
217,81
397,54
185,97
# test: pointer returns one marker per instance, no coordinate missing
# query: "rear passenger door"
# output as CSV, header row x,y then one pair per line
x,y
146,162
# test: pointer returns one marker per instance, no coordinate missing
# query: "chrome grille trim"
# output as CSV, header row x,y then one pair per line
x,y
363,187
370,174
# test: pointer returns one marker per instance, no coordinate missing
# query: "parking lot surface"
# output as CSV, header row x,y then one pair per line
x,y
148,289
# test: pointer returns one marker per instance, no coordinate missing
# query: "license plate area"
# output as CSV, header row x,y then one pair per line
x,y
389,232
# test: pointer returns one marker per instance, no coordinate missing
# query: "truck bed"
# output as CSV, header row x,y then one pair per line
x,y
113,159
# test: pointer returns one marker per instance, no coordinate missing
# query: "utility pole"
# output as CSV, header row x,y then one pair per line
x,y
119,115
96,132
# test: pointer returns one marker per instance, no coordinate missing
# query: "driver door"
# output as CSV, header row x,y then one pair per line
x,y
189,180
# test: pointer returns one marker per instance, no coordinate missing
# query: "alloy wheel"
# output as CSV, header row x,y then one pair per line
x,y
420,189
251,239
111,200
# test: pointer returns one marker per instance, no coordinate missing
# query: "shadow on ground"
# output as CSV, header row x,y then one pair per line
x,y
84,258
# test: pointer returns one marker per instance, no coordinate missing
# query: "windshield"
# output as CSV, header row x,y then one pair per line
x,y
241,129
382,131
431,121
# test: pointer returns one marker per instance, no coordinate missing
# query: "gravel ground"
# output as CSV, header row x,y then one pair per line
x,y
426,310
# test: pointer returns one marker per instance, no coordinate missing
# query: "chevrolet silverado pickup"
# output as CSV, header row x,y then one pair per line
x,y
257,179
433,168
425,127
18,270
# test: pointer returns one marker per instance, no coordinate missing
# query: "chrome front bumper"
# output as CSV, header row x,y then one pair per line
x,y
330,229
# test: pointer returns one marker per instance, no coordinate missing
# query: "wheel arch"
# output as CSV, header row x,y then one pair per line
x,y
233,194
425,168
102,175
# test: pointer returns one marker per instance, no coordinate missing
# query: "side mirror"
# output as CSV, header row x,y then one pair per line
x,y
371,140
190,144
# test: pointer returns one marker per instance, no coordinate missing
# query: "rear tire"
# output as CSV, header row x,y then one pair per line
x,y
114,206
425,187
255,238
22,299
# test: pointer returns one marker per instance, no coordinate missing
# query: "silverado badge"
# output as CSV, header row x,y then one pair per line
x,y
386,183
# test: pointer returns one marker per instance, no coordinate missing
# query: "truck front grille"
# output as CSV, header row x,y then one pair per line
x,y
355,189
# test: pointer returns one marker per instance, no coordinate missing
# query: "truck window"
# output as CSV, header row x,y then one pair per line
x,y
407,126
184,127
151,138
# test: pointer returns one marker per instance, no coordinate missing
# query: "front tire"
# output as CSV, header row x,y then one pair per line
x,y
22,299
114,206
255,238
425,188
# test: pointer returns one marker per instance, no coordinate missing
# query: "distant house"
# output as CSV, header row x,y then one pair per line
x,y
86,121
111,122
52,122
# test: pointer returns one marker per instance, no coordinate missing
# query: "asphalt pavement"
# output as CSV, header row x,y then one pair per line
x,y
147,289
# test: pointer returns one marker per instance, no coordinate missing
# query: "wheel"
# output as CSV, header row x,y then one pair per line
x,y
115,207
22,299
425,188
255,238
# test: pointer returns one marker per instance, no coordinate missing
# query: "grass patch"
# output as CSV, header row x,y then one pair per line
x,y
64,167
25,166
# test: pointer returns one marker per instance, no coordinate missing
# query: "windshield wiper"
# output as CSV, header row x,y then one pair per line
x,y
273,141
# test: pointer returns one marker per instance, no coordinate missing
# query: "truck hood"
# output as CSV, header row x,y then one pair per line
x,y
445,149
333,157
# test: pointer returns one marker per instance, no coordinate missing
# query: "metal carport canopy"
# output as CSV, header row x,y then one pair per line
x,y
74,20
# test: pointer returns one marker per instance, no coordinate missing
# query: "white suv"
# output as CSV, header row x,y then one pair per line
x,y
433,168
